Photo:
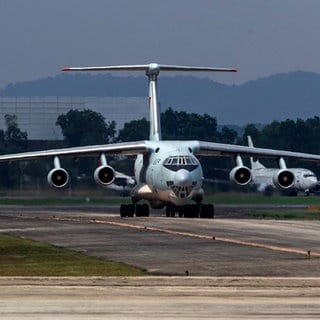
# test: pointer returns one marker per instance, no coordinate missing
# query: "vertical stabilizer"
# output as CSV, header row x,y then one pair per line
x,y
255,164
152,71
155,128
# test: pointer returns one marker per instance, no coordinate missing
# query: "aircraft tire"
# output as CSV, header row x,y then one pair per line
x,y
123,210
207,211
131,208
191,211
138,210
145,210
170,211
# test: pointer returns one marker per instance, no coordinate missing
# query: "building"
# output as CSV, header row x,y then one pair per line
x,y
38,115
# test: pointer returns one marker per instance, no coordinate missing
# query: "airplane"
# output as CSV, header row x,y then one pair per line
x,y
168,173
122,183
266,178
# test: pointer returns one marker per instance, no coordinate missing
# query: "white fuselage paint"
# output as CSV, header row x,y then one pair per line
x,y
304,179
160,182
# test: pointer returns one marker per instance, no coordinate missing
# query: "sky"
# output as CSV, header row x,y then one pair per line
x,y
258,37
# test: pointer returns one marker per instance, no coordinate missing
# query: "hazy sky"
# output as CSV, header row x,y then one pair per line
x,y
260,38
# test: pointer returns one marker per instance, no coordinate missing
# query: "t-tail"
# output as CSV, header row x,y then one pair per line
x,y
255,163
152,71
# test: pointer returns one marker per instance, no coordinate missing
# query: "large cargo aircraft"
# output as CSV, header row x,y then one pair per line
x,y
266,179
168,173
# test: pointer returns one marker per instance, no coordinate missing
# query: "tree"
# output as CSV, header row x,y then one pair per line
x,y
12,140
15,139
250,130
81,128
134,130
227,135
181,125
85,127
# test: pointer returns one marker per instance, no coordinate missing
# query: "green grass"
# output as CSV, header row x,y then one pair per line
x,y
22,257
255,198
29,201
219,198
286,214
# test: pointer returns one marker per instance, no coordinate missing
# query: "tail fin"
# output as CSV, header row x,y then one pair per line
x,y
152,71
255,164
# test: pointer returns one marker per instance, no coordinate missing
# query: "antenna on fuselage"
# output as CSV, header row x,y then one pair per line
x,y
152,71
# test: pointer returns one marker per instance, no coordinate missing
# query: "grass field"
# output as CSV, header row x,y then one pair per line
x,y
256,198
22,257
285,214
219,198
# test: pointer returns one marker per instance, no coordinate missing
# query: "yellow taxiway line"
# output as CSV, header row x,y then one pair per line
x,y
207,237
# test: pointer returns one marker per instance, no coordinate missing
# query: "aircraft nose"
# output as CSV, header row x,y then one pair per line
x,y
182,178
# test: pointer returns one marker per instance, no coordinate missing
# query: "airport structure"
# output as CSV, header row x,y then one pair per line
x,y
38,115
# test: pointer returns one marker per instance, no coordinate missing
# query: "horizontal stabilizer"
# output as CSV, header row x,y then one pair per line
x,y
148,67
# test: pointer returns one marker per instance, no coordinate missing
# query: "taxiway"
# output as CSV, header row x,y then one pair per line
x,y
173,246
245,269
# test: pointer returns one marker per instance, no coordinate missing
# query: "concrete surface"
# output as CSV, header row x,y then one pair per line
x,y
173,246
246,269
160,298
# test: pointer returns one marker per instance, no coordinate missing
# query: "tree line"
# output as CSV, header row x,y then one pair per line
x,y
87,127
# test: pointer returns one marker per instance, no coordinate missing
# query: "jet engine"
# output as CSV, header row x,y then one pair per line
x,y
104,175
283,179
58,177
240,175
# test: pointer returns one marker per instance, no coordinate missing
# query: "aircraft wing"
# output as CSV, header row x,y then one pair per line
x,y
125,148
220,149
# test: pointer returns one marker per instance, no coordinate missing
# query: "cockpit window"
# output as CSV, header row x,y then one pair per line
x,y
176,163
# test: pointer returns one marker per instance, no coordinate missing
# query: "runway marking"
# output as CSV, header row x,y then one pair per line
x,y
212,238
196,235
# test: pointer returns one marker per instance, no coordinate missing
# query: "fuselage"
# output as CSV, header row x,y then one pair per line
x,y
170,173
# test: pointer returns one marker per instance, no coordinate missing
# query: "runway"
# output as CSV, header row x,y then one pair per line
x,y
173,246
200,269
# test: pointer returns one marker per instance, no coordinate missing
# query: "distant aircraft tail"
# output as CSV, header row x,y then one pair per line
x,y
255,163
152,71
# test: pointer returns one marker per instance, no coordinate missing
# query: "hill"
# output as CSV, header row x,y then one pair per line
x,y
278,97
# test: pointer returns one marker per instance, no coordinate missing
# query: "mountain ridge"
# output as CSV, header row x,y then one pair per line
x,y
278,97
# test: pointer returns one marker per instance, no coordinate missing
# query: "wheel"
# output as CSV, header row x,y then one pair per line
x,y
131,208
188,211
207,211
145,210
123,210
138,210
170,211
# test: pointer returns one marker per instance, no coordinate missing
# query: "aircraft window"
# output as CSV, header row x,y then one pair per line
x,y
307,175
181,192
176,163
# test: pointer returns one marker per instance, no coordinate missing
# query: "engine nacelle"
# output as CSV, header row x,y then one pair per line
x,y
284,179
58,177
240,175
104,175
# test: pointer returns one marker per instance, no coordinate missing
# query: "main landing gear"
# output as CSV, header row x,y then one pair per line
x,y
187,211
191,211
130,210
